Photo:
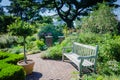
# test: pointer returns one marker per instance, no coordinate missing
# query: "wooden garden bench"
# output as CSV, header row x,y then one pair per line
x,y
82,55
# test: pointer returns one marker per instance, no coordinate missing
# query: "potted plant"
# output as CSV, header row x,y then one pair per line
x,y
23,29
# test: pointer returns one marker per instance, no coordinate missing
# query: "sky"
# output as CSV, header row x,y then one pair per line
x,y
116,11
5,2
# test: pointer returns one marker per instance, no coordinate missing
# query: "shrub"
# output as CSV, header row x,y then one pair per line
x,y
108,45
10,58
31,43
101,77
56,51
6,41
108,50
40,44
11,72
50,30
8,71
31,38
101,20
95,77
17,49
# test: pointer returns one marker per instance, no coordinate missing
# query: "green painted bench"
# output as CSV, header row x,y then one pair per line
x,y
82,55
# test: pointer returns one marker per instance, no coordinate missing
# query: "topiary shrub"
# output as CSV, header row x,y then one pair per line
x,y
8,68
11,72
22,29
10,58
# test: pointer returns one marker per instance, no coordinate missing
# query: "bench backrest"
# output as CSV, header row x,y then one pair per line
x,y
85,50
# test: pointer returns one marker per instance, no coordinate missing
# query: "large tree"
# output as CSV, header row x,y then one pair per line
x,y
4,21
69,10
28,10
1,9
100,21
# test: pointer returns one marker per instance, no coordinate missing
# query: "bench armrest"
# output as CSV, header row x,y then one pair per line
x,y
66,48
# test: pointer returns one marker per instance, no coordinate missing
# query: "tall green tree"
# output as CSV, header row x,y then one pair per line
x,y
28,10
101,21
1,9
4,21
69,10
46,19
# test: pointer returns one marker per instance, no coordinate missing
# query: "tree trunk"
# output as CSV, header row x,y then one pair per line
x,y
70,24
25,58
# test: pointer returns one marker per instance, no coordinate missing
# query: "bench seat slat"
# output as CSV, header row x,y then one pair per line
x,y
74,58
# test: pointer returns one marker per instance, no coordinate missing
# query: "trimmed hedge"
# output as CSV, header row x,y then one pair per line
x,y
8,68
11,72
10,58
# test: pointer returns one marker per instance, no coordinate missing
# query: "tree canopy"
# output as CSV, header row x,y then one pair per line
x,y
28,10
1,9
4,21
101,21
69,10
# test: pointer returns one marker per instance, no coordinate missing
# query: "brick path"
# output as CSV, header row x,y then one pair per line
x,y
50,69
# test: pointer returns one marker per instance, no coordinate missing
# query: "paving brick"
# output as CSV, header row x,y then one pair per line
x,y
50,69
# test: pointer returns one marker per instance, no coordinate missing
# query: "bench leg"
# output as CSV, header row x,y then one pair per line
x,y
80,68
80,71
95,69
62,57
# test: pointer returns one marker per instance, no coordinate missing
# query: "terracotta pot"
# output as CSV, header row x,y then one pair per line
x,y
27,67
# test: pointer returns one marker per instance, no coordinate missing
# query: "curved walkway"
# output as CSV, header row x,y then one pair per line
x,y
50,69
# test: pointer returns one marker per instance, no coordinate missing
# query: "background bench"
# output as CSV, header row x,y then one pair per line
x,y
82,55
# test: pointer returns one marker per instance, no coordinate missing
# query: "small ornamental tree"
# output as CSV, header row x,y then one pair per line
x,y
22,29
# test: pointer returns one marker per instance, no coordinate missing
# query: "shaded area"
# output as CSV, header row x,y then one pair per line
x,y
34,76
